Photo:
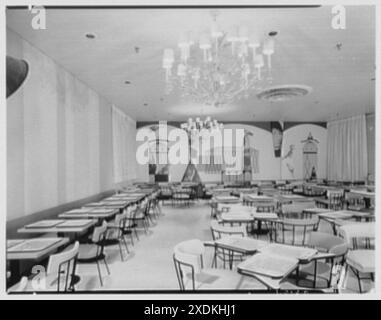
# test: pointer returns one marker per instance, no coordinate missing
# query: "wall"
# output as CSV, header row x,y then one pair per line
x,y
270,167
59,137
371,145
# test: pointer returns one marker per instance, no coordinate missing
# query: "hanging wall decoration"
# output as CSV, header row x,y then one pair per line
x,y
310,154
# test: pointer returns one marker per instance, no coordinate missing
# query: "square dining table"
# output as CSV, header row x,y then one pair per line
x,y
33,249
99,213
59,226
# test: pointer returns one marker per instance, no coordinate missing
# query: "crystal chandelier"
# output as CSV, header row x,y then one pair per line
x,y
221,67
194,127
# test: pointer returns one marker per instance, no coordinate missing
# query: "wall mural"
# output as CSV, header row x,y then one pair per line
x,y
288,159
310,157
283,150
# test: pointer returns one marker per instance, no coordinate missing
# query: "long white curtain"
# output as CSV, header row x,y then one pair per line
x,y
124,146
347,149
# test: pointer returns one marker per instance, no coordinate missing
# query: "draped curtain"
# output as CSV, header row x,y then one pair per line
x,y
124,146
347,149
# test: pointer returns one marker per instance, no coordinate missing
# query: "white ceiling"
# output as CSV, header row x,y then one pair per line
x,y
305,54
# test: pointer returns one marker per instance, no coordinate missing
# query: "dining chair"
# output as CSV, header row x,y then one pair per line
x,y
220,231
334,200
296,209
130,225
118,226
94,251
327,265
265,206
354,202
188,258
292,231
140,216
360,238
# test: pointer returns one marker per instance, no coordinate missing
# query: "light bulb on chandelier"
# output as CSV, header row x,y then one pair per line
x,y
221,67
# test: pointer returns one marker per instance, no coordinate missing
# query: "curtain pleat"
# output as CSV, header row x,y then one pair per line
x,y
347,149
124,146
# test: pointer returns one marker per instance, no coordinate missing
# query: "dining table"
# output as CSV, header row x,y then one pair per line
x,y
32,249
342,217
274,262
61,227
100,213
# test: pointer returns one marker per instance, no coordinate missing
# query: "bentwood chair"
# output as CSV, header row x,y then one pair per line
x,y
188,258
219,231
94,251
354,202
334,200
296,208
361,258
292,231
325,268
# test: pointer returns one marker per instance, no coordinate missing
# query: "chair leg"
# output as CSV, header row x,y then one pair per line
x,y
106,265
120,250
99,273
125,244
136,234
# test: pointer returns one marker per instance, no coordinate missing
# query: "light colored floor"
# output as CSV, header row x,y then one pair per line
x,y
149,265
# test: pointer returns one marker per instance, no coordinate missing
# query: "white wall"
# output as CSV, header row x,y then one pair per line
x,y
59,137
270,167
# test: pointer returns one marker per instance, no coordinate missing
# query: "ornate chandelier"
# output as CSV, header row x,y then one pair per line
x,y
221,67
194,127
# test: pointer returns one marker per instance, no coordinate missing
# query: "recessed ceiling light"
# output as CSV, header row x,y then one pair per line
x,y
90,35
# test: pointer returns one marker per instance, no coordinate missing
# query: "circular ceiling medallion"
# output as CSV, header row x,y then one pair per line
x,y
283,93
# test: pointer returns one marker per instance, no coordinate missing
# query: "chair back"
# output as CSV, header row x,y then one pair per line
x,y
328,243
265,206
293,231
63,265
99,233
297,207
219,231
188,259
336,199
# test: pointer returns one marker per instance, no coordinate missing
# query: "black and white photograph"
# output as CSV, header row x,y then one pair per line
x,y
175,149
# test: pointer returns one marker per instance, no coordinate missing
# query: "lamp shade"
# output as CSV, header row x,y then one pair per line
x,y
17,71
268,47
259,61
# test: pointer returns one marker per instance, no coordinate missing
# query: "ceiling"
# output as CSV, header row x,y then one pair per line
x,y
306,53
